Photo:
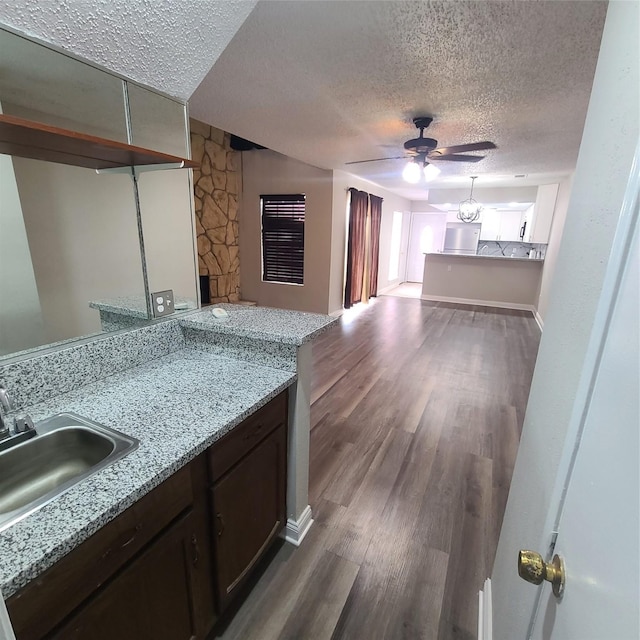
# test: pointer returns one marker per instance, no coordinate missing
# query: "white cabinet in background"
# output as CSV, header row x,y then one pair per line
x,y
490,221
500,225
510,225
540,227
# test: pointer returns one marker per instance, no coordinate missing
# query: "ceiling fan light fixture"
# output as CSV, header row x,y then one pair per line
x,y
431,172
411,172
469,209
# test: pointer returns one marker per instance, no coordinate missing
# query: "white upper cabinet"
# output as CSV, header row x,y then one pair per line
x,y
540,227
510,225
500,225
490,220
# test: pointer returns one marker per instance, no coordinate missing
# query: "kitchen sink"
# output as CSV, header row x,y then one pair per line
x,y
64,450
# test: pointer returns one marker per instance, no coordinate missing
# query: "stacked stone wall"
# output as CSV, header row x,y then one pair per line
x,y
216,188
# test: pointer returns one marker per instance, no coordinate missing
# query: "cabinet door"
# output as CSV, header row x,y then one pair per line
x,y
510,225
249,511
490,229
150,600
543,213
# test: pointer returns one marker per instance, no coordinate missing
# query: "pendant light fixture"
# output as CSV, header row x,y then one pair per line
x,y
469,209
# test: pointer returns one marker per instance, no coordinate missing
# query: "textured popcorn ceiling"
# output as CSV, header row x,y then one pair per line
x,y
169,45
330,82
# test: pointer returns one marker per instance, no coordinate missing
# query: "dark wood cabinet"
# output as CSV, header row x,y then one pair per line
x,y
152,599
46,601
248,503
166,567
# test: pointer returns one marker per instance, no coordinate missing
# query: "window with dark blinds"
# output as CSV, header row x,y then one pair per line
x,y
283,238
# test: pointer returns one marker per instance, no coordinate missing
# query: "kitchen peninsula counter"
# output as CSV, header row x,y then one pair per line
x,y
177,390
497,281
155,403
486,257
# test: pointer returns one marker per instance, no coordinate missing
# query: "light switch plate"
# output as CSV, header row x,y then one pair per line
x,y
162,303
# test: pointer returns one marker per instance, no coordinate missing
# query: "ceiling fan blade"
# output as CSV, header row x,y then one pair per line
x,y
376,160
461,148
457,158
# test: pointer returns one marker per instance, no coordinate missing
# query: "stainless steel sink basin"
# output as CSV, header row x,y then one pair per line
x,y
65,449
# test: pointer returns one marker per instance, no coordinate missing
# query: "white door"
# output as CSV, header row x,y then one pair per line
x,y
426,236
598,530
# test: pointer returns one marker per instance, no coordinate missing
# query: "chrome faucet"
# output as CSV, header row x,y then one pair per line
x,y
6,405
12,426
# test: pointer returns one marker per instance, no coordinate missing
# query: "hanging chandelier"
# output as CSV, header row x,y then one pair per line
x,y
469,209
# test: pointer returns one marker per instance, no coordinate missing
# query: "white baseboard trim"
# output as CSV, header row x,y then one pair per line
x,y
388,288
337,313
296,530
539,320
485,612
482,303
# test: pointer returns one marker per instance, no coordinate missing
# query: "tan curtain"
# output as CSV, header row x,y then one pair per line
x,y
374,243
356,244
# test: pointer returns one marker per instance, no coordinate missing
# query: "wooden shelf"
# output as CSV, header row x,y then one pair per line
x,y
27,139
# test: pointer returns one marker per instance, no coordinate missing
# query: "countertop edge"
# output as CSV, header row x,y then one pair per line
x,y
464,255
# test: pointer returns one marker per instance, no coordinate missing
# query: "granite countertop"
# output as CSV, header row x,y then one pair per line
x,y
484,257
263,323
177,406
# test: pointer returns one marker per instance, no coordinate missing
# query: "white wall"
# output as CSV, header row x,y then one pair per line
x,y
83,238
20,313
267,172
606,153
422,206
165,203
391,202
553,247
483,194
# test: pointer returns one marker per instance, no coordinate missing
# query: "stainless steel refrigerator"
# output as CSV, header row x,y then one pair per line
x,y
462,238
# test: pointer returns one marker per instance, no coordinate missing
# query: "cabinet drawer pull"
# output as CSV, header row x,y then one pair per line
x,y
125,540
221,521
132,537
195,549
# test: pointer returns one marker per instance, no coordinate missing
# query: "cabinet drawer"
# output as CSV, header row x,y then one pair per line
x,y
45,601
236,444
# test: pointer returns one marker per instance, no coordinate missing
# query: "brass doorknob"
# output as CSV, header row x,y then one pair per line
x,y
532,568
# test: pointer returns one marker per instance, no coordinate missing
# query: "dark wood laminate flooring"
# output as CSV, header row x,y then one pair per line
x,y
416,415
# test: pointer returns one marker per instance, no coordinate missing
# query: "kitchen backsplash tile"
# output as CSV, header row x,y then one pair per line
x,y
510,249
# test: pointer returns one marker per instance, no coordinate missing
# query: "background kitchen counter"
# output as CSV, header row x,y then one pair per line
x,y
484,257
487,280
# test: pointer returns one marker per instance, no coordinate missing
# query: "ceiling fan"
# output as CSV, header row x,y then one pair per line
x,y
422,151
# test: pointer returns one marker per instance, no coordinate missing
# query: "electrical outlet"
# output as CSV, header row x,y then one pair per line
x,y
162,303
